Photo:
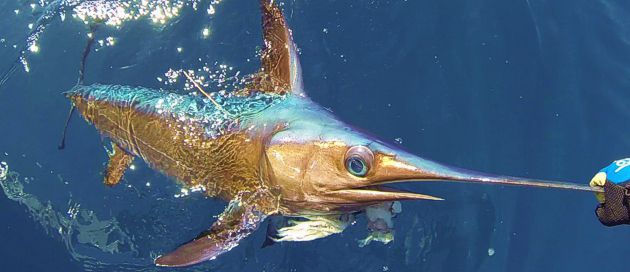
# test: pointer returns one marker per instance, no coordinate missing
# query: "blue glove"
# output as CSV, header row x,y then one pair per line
x,y
618,171
614,201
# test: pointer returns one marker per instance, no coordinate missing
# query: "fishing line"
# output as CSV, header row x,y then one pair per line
x,y
206,94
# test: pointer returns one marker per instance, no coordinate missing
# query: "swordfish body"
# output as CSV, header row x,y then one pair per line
x,y
184,136
267,149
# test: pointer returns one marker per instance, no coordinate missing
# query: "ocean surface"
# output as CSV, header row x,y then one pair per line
x,y
526,88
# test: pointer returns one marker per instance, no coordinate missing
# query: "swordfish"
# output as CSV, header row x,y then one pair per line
x,y
266,148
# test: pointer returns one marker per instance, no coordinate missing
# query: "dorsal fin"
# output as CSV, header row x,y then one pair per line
x,y
280,72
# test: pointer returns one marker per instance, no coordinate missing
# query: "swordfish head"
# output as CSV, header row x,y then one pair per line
x,y
322,165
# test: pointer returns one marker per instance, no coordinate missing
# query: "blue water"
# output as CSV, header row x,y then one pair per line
x,y
529,88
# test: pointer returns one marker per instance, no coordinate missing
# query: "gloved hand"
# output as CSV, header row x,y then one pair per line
x,y
614,207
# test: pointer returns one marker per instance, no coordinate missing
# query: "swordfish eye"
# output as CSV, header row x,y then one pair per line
x,y
359,160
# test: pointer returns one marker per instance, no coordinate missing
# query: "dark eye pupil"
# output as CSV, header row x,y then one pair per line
x,y
356,166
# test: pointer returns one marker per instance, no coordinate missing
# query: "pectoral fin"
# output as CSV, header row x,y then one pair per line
x,y
235,223
119,161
